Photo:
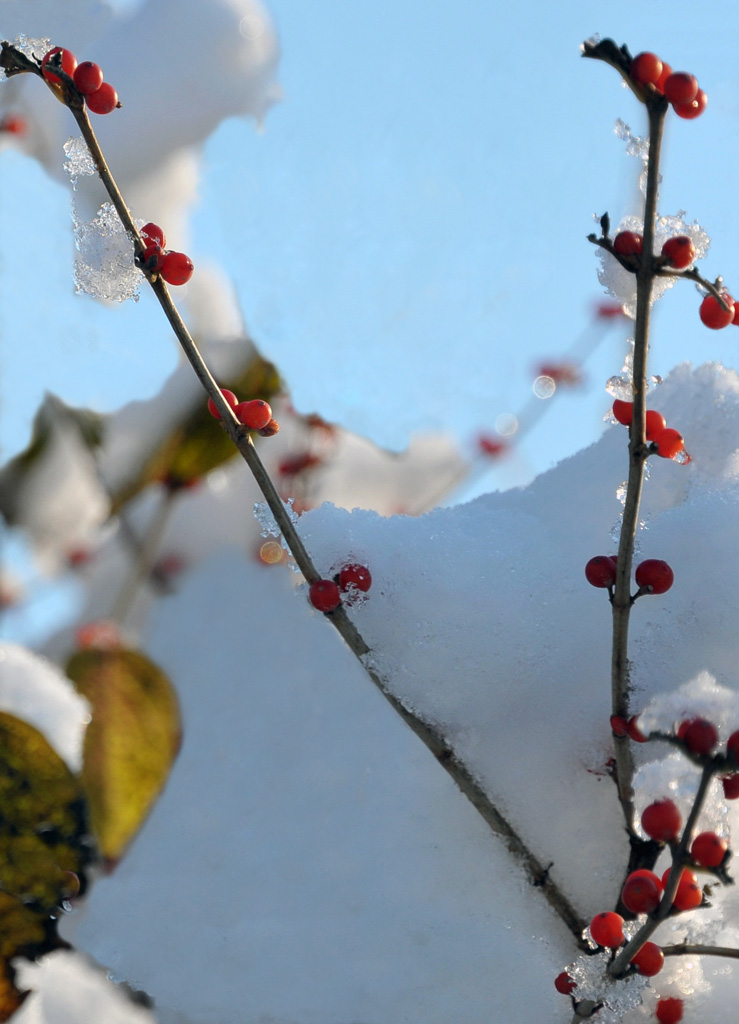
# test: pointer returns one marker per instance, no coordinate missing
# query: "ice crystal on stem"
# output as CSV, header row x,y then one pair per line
x,y
105,268
79,160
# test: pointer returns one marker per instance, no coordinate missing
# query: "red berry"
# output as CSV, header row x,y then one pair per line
x,y
680,251
659,85
619,726
176,268
645,873
646,68
669,1010
661,821
680,87
103,100
355,576
732,747
689,894
606,929
230,398
623,411
708,849
69,63
654,575
152,234
649,960
564,983
655,422
698,735
635,733
731,787
270,430
324,595
254,414
641,893
627,243
601,571
88,77
694,109
668,443
713,314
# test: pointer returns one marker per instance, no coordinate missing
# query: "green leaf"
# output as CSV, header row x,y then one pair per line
x,y
199,443
130,743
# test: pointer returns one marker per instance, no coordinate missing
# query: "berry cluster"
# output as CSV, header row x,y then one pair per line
x,y
100,96
256,414
666,441
678,87
172,267
351,580
653,576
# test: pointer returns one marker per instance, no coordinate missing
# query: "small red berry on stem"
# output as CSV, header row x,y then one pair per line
x,y
654,575
88,77
693,109
730,785
623,411
619,726
662,821
628,243
152,234
564,983
103,100
732,747
708,849
356,577
659,85
641,892
176,268
254,414
669,1010
680,251
689,894
713,314
655,422
606,929
649,960
231,399
68,64
601,571
324,595
633,730
680,87
699,735
646,68
668,443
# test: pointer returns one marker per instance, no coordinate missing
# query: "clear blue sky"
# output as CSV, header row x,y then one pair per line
x,y
407,235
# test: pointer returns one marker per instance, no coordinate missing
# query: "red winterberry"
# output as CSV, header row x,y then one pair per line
x,y
669,1010
698,735
231,399
606,929
649,960
355,576
564,983
708,849
103,100
654,575
668,443
88,77
713,314
659,85
623,411
680,251
732,746
324,595
619,726
151,258
646,68
661,821
655,422
69,63
176,268
635,733
270,430
680,87
254,414
152,234
601,571
689,894
731,787
627,243
693,109
641,893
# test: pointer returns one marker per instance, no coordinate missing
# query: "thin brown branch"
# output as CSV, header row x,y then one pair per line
x,y
691,949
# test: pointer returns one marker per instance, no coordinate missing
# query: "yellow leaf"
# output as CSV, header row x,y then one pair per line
x,y
130,744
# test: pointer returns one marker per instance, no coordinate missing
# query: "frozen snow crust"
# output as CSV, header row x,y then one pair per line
x,y
310,863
